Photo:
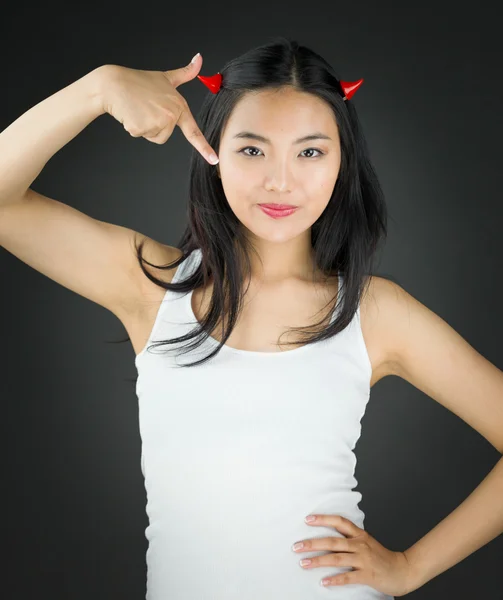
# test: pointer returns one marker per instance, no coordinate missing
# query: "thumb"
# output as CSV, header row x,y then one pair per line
x,y
186,73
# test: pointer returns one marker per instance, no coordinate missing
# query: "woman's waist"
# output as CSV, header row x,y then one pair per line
x,y
243,564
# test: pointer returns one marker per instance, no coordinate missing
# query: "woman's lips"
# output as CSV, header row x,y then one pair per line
x,y
275,213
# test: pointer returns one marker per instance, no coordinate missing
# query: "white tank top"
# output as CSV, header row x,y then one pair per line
x,y
236,452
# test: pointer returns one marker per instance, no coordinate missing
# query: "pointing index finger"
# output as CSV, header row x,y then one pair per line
x,y
191,131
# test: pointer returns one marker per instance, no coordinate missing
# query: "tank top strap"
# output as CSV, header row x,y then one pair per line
x,y
171,310
187,266
340,283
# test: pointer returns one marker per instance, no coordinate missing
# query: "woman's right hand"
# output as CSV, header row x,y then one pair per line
x,y
148,104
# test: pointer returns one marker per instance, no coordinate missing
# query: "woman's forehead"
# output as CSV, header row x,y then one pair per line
x,y
278,113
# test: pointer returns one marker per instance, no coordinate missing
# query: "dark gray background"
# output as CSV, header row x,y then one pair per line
x,y
73,495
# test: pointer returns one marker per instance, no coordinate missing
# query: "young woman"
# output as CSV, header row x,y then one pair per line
x,y
260,334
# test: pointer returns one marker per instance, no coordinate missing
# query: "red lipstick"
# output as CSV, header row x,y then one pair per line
x,y
278,210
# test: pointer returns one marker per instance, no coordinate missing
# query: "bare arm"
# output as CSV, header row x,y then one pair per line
x,y
31,140
93,258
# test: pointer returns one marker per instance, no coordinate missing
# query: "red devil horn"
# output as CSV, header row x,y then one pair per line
x,y
213,83
350,87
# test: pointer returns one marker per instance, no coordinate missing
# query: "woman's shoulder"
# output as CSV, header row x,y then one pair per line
x,y
377,307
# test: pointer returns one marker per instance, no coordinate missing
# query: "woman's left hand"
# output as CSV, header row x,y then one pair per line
x,y
374,565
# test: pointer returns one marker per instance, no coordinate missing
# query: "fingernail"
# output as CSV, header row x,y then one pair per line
x,y
213,158
310,519
195,58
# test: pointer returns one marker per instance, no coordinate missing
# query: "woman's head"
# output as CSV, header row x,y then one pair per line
x,y
280,91
263,159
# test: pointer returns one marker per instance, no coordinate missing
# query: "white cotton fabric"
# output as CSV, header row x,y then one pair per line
x,y
238,451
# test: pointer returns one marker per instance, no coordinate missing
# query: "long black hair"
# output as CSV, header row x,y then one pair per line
x,y
345,238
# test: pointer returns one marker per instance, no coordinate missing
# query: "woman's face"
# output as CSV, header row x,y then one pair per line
x,y
281,170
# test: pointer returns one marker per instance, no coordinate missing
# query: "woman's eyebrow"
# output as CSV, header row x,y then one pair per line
x,y
255,136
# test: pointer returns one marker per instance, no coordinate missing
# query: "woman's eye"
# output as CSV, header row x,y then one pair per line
x,y
320,152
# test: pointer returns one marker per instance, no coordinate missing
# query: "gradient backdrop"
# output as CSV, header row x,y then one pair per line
x,y
73,499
